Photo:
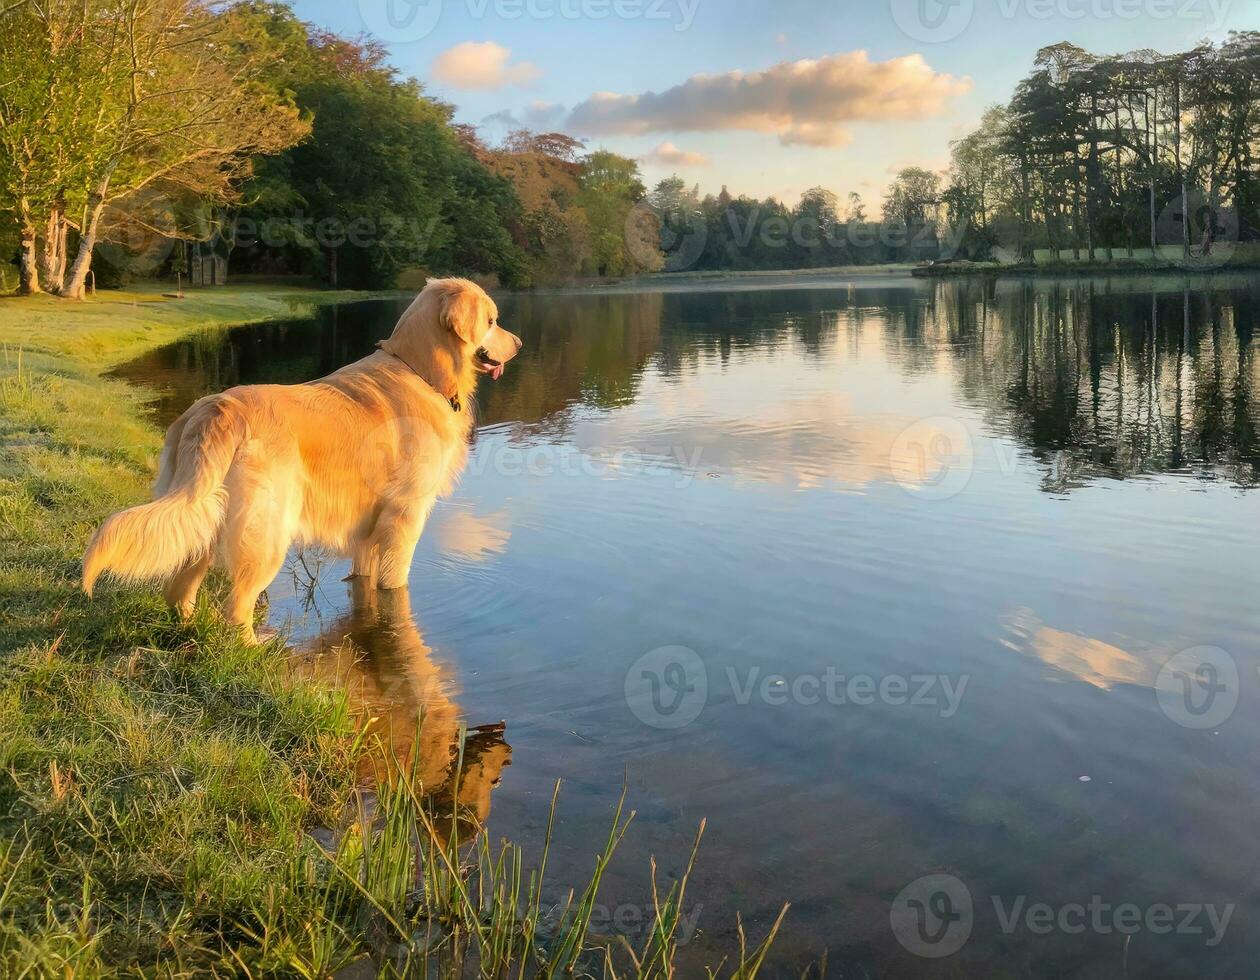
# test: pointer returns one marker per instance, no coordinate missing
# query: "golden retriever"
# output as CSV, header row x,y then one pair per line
x,y
352,463
377,655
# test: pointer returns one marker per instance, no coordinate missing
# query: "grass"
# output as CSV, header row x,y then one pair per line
x,y
158,780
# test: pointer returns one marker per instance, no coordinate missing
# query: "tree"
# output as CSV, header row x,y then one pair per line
x,y
814,223
975,187
48,85
911,198
621,244
178,105
558,146
386,180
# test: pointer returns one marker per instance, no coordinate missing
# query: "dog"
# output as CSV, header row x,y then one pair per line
x,y
352,463
378,656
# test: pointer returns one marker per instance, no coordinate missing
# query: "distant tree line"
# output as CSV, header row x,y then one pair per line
x,y
1133,150
149,138
146,137
721,232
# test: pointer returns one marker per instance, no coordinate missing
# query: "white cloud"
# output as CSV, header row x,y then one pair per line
x,y
1083,657
463,533
805,102
667,154
481,64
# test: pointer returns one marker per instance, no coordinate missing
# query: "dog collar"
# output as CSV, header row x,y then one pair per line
x,y
456,405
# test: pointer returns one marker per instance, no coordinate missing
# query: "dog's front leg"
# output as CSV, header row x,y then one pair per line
x,y
397,534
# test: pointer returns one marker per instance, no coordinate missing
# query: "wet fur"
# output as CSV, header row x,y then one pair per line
x,y
352,463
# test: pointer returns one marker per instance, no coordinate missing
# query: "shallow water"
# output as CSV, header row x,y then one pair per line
x,y
886,580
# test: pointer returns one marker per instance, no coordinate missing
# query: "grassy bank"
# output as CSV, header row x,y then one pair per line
x,y
158,779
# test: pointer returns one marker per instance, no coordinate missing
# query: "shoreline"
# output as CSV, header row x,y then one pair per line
x,y
166,786
180,768
1082,271
841,277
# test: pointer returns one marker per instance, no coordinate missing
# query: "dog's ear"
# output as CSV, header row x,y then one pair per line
x,y
461,312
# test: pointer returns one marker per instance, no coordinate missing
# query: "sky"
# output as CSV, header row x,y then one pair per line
x,y
766,97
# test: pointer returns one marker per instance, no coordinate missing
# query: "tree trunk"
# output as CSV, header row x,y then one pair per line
x,y
1076,209
1093,178
53,257
1025,243
1152,155
76,281
1181,172
28,272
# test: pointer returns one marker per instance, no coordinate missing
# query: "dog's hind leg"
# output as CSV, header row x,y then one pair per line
x,y
253,567
181,590
259,529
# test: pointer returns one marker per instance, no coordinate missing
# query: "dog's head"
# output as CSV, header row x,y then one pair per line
x,y
451,334
472,317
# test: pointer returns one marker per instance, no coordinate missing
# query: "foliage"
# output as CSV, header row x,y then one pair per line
x,y
1131,151
134,106
384,182
721,232
1128,152
621,243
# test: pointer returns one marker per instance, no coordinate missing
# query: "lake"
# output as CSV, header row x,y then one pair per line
x,y
938,600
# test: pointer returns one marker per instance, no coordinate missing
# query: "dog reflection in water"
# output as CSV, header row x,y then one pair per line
x,y
376,653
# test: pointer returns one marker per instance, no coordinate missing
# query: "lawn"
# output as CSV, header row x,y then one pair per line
x,y
158,779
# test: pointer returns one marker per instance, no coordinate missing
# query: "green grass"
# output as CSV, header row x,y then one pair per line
x,y
158,779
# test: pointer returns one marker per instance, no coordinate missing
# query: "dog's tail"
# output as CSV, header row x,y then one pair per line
x,y
158,539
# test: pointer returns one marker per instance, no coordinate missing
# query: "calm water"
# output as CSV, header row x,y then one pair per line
x,y
881,579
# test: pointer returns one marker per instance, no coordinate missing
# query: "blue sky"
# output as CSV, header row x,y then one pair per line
x,y
815,124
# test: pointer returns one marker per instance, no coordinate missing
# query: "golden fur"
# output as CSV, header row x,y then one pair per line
x,y
377,655
352,463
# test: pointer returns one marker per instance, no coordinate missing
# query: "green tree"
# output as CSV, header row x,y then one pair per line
x,y
912,197
623,241
179,106
385,181
814,223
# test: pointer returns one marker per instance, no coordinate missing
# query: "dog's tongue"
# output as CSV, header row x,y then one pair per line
x,y
497,373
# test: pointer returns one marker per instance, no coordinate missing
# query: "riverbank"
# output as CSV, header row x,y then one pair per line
x,y
159,778
839,276
1227,257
